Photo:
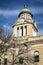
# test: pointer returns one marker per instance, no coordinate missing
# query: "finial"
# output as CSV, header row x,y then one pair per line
x,y
25,6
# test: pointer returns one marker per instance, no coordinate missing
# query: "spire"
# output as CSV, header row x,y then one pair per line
x,y
26,6
25,10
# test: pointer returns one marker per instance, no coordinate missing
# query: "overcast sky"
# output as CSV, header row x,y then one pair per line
x,y
9,10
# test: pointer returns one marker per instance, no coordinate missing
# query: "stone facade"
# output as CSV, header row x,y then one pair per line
x,y
25,48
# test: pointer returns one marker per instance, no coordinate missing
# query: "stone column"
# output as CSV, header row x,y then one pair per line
x,y
20,31
25,30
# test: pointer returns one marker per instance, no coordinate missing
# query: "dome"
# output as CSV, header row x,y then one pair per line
x,y
25,10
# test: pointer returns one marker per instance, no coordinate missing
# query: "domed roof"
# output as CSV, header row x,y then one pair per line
x,y
25,10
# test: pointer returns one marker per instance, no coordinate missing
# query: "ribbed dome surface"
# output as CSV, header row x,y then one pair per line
x,y
25,10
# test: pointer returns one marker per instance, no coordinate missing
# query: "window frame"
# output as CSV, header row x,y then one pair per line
x,y
36,56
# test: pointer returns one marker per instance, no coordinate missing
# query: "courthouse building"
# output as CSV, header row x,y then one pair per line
x,y
26,47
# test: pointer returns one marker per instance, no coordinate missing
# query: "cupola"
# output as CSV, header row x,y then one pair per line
x,y
25,10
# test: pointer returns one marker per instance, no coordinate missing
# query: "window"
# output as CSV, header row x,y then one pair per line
x,y
5,61
22,30
21,60
0,61
36,56
17,31
22,16
17,28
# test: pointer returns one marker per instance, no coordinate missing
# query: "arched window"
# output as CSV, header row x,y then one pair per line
x,y
21,60
21,30
5,61
36,56
17,31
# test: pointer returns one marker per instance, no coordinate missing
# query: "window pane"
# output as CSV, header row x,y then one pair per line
x,y
21,60
5,61
36,58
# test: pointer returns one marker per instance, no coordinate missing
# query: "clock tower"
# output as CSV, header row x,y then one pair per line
x,y
25,25
25,47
